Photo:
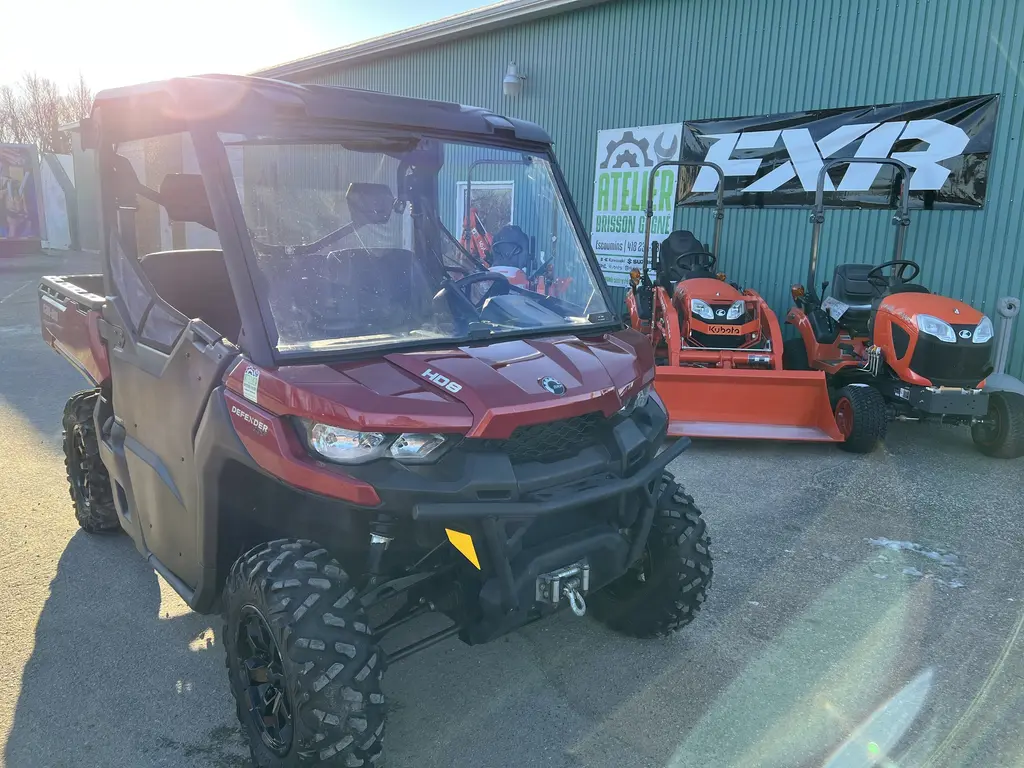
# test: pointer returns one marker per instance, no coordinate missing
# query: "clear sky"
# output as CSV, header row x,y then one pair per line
x,y
118,42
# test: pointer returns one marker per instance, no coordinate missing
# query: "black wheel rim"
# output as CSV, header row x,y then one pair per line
x,y
990,430
80,462
261,672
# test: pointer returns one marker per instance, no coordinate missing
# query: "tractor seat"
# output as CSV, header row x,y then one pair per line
x,y
680,242
850,285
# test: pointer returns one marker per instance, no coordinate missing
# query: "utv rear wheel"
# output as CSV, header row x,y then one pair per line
x,y
304,667
1001,435
666,589
794,355
88,481
861,418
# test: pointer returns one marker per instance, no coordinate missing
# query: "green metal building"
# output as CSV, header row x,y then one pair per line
x,y
593,65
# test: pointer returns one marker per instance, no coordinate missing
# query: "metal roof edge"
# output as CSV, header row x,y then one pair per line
x,y
475,22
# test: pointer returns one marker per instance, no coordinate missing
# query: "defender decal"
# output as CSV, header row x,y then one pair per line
x,y
248,417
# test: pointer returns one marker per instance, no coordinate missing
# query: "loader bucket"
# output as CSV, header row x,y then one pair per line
x,y
747,404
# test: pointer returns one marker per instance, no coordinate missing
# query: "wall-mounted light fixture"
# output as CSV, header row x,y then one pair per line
x,y
512,83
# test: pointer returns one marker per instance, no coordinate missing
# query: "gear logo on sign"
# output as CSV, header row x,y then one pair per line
x,y
621,151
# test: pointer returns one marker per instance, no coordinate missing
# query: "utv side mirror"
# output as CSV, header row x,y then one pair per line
x,y
369,203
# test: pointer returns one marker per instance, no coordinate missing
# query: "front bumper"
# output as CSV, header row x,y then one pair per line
x,y
528,519
948,401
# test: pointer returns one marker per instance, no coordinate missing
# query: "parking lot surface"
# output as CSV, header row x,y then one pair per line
x,y
865,609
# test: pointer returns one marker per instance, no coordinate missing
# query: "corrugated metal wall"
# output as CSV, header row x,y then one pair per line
x,y
644,62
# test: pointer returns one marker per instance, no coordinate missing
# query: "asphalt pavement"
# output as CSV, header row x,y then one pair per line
x,y
865,610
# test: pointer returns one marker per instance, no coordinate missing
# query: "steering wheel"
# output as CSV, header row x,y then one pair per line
x,y
903,266
693,260
500,287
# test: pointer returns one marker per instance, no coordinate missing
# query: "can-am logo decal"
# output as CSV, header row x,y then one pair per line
x,y
774,160
249,418
554,386
442,381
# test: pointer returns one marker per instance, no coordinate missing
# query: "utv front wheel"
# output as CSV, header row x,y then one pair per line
x,y
305,670
1001,435
666,589
88,480
861,418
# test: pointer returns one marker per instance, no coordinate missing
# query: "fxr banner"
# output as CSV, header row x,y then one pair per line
x,y
774,160
625,158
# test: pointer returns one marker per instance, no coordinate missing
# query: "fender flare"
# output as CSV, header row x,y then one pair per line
x,y
1004,382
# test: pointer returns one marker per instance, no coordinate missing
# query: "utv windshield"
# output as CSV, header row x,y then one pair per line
x,y
395,240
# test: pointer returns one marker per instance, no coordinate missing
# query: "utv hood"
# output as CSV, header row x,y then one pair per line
x,y
482,391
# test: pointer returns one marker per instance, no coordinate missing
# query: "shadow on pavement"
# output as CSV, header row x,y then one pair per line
x,y
113,679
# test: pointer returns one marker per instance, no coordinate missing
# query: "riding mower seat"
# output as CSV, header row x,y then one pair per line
x,y
851,286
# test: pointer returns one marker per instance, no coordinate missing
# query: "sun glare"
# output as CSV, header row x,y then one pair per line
x,y
116,42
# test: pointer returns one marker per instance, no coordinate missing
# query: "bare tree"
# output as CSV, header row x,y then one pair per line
x,y
34,110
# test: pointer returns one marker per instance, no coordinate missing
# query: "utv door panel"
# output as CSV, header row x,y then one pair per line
x,y
159,398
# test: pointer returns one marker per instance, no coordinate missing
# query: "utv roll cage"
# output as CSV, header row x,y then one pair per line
x,y
208,106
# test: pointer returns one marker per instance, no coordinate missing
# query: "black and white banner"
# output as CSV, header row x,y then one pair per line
x,y
774,160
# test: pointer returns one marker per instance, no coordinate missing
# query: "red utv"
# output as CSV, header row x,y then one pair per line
x,y
332,418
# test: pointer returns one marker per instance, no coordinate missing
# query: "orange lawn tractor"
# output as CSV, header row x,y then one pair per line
x,y
892,350
719,346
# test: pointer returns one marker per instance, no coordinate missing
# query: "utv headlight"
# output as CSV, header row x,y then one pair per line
x,y
345,446
639,400
940,329
984,331
702,309
413,447
736,310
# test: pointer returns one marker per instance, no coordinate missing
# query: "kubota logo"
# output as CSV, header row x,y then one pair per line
x,y
806,155
442,381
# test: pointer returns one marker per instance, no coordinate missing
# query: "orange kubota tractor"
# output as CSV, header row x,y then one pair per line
x,y
510,251
719,346
892,350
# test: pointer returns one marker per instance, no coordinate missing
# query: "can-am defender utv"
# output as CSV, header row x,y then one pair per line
x,y
891,349
333,419
719,346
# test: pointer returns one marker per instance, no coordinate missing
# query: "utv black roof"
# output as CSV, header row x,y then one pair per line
x,y
240,104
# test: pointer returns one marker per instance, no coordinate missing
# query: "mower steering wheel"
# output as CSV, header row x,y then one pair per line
x,y
694,260
903,266
500,287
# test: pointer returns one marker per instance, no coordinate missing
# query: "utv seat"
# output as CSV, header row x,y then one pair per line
x,y
376,290
195,282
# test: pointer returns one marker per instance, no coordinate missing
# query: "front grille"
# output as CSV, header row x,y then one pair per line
x,y
547,442
963,364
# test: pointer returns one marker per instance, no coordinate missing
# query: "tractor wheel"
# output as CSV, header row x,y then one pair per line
x,y
1001,435
88,480
666,588
794,355
861,417
305,669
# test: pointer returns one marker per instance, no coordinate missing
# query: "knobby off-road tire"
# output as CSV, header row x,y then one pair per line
x,y
861,417
319,659
1003,436
88,481
676,572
